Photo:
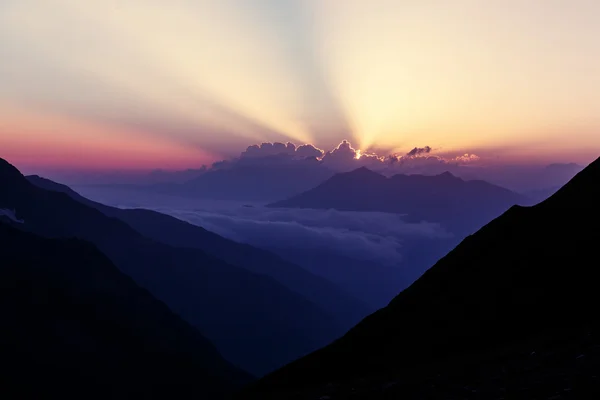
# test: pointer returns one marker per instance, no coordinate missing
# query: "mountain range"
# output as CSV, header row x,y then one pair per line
x,y
130,302
509,313
270,179
459,205
254,321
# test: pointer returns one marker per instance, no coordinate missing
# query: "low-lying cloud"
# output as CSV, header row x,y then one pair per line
x,y
369,236
274,234
374,237
372,255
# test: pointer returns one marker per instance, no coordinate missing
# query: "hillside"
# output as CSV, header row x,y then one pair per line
x,y
348,310
254,321
524,284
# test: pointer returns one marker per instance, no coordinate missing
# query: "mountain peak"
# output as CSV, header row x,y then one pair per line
x,y
524,281
8,172
11,179
363,172
362,169
447,175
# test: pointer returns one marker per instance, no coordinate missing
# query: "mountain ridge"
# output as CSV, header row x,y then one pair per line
x,y
522,282
460,205
277,326
72,321
174,232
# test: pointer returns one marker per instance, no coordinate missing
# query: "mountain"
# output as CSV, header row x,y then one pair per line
x,y
163,228
539,195
510,312
74,326
459,205
255,322
247,181
558,172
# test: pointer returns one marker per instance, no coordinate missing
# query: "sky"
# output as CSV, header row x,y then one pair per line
x,y
145,84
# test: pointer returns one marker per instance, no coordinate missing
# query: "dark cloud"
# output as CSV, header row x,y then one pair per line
x,y
419,150
268,149
343,154
308,151
345,158
223,164
344,150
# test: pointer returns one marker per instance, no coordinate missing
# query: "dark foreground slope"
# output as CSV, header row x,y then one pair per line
x,y
459,205
254,321
74,326
511,312
347,309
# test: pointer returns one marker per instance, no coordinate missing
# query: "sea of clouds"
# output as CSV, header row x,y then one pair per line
x,y
370,236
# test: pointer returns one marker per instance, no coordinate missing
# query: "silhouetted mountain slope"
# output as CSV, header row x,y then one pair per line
x,y
255,322
74,326
523,284
462,206
172,231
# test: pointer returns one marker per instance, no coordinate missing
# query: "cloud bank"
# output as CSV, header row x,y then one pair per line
x,y
280,149
345,157
376,237
372,255
370,236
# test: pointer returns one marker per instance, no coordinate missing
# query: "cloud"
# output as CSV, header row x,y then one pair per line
x,y
465,158
419,150
340,157
369,236
344,157
308,151
10,214
420,161
344,151
268,149
371,255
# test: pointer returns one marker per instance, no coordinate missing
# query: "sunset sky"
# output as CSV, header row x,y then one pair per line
x,y
134,84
